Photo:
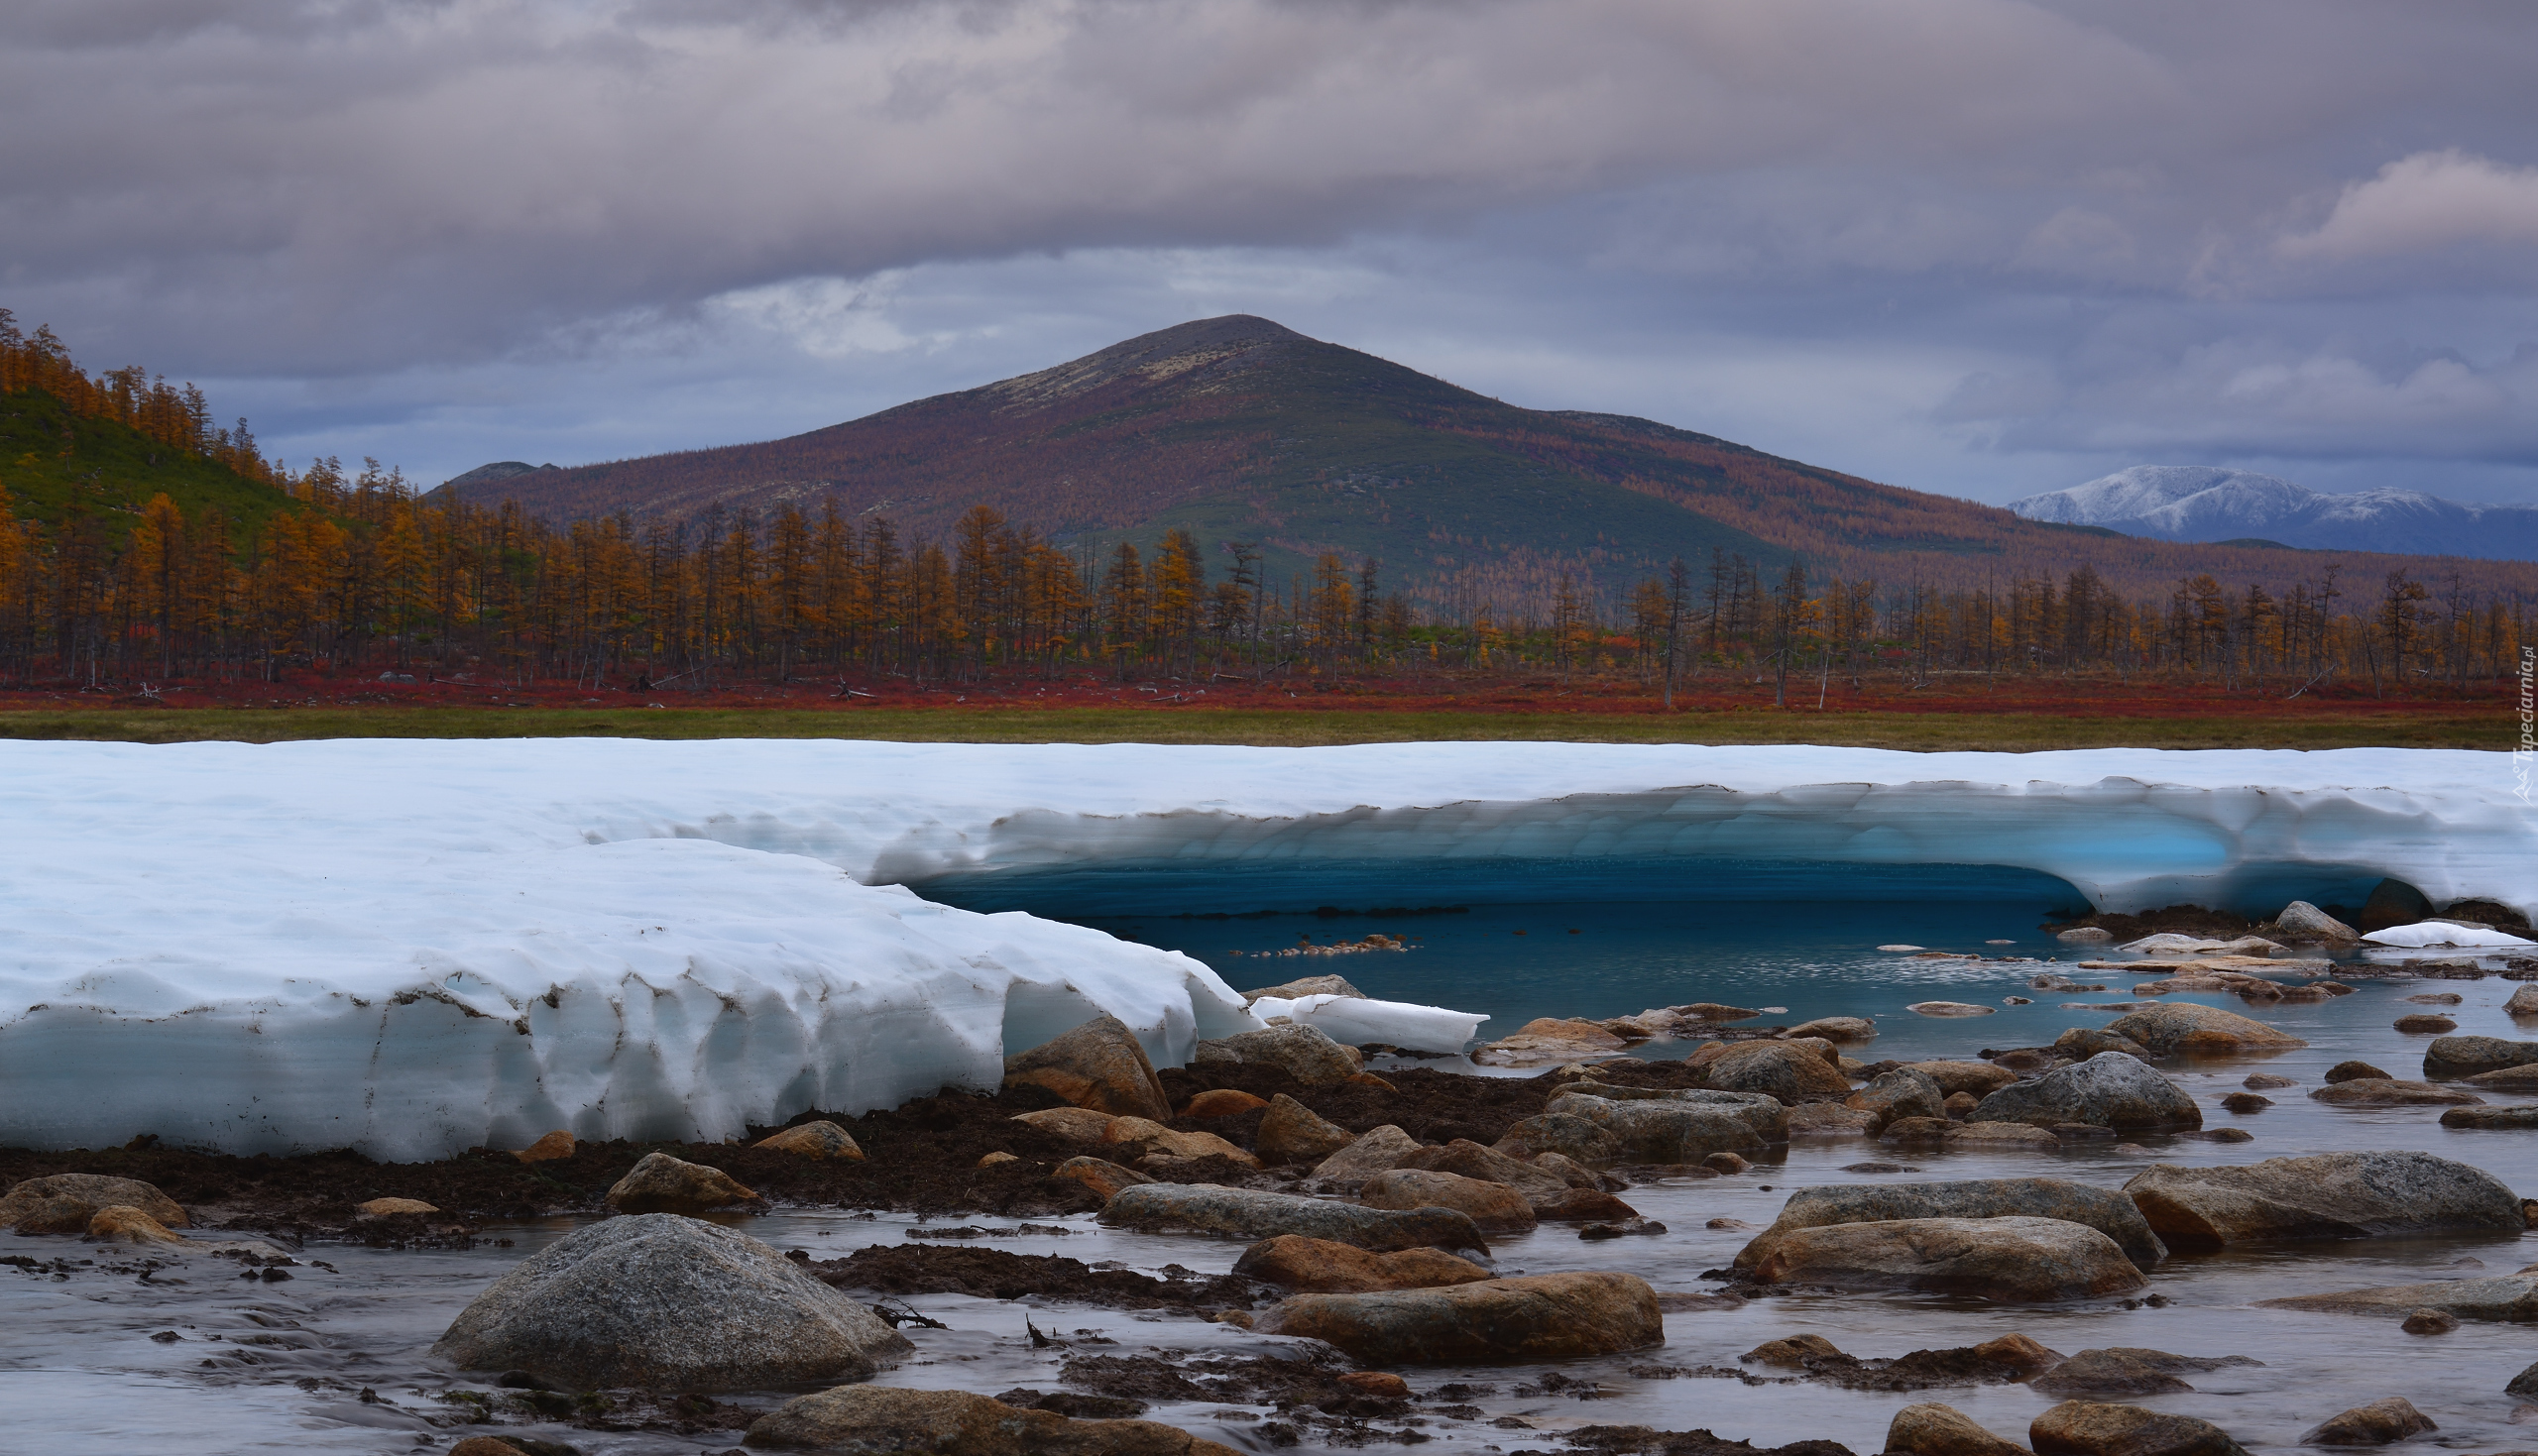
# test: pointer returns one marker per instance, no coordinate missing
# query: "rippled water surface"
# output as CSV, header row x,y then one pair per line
x,y
78,1371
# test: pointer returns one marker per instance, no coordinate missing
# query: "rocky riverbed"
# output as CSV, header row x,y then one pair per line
x,y
287,1318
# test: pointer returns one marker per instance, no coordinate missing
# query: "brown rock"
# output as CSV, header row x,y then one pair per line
x,y
2374,1091
2183,1029
1291,1132
1829,1120
1098,1064
1999,1135
2429,1322
2352,1070
1932,1429
1163,1140
1791,1352
1977,1078
1322,1265
1585,1205
2018,1353
661,1183
2390,1418
555,1144
390,1207
1901,1093
1372,1153
2260,1081
1222,1102
1470,1160
884,1418
486,1446
815,1139
1549,1038
1104,1179
1075,1124
1381,1384
1303,987
1947,1008
1959,1104
2492,1119
63,1202
1917,1130
1727,1165
1543,1316
1492,1207
122,1224
1368,1079
2089,1429
1794,1071
2426,1024
2107,1373
2010,1259
2244,1103
1845,1029
990,1160
1306,1053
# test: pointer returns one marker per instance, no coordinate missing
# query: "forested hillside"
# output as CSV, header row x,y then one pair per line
x,y
1236,429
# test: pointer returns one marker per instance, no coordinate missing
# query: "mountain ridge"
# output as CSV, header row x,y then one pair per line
x,y
1239,428
2215,504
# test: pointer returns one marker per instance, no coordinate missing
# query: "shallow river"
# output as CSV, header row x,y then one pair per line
x,y
280,1366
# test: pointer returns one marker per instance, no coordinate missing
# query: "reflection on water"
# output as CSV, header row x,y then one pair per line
x,y
78,1371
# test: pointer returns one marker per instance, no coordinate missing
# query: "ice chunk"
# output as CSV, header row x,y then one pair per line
x,y
258,992
2424,932
1356,1021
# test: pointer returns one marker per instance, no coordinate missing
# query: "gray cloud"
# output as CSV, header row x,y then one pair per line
x,y
2082,234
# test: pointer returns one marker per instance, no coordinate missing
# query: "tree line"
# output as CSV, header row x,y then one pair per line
x,y
365,576
362,574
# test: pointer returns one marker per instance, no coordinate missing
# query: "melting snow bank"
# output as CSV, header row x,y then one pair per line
x,y
1107,829
248,985
412,946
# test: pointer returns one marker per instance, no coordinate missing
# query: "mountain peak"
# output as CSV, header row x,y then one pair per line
x,y
1150,359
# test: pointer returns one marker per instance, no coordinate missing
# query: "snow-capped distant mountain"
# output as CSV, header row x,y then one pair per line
x,y
2201,502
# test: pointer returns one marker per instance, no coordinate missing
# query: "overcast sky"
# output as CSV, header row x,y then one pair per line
x,y
1981,246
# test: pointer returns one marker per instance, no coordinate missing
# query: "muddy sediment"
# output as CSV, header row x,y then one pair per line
x,y
994,1273
920,1156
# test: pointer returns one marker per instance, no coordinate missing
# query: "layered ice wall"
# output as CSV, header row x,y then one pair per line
x,y
412,946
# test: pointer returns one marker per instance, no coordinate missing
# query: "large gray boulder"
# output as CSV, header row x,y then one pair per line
x,y
2109,1090
1251,1214
2184,1029
2009,1260
668,1302
1681,1125
2510,1297
1305,1052
2103,1209
2328,1195
1543,1316
2468,1056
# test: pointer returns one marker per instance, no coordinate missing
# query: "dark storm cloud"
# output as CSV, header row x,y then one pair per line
x,y
2111,229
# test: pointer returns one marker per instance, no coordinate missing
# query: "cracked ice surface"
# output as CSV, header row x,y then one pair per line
x,y
412,946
